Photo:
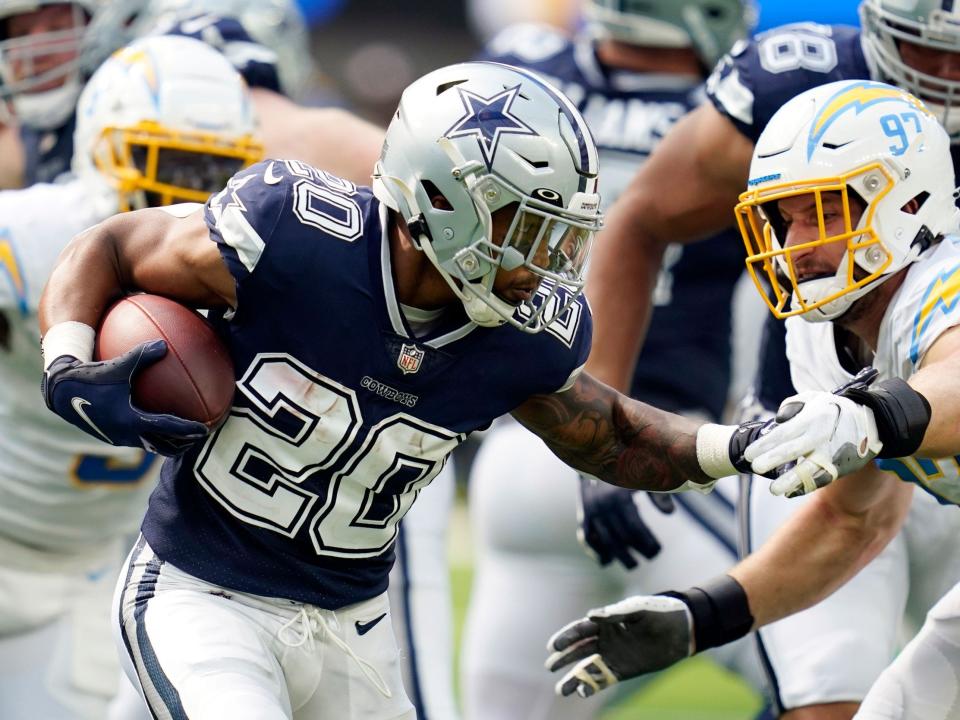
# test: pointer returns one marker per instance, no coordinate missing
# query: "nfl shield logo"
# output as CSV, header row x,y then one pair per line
x,y
410,359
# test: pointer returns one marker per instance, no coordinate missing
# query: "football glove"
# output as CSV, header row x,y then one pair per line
x,y
639,635
610,525
95,397
644,634
826,434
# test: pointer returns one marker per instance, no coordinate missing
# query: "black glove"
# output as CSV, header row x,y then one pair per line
x,y
633,637
95,397
610,523
645,633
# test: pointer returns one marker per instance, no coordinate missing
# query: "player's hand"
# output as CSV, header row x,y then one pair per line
x,y
610,525
639,635
95,397
827,434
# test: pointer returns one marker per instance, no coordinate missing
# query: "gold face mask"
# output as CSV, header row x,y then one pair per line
x,y
151,165
771,265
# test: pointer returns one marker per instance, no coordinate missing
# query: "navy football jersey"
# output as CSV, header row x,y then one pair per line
x,y
48,153
748,86
628,114
341,415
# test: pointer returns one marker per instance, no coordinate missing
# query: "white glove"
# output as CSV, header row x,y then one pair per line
x,y
826,434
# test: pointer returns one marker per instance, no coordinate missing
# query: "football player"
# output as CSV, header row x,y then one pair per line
x,y
67,503
48,48
371,331
686,190
850,217
633,71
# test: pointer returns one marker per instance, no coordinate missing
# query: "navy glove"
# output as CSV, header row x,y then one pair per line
x,y
611,526
95,397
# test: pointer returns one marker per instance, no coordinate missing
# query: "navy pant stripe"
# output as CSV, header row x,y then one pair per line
x,y
416,694
701,520
746,540
147,663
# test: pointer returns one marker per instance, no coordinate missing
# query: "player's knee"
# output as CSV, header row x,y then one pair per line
x,y
826,711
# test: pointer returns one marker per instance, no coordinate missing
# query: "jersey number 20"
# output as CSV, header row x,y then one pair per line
x,y
258,463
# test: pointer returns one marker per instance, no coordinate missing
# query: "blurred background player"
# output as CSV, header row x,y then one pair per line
x,y
48,49
67,502
633,71
686,191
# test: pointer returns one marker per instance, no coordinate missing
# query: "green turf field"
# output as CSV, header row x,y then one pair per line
x,y
694,690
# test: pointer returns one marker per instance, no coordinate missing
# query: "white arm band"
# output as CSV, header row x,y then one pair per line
x,y
713,449
68,338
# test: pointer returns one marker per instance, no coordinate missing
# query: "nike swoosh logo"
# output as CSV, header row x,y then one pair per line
x,y
364,628
77,404
269,178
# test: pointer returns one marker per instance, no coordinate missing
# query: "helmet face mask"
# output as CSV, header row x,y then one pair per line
x,y
863,260
150,165
891,28
710,27
843,147
516,168
42,73
165,120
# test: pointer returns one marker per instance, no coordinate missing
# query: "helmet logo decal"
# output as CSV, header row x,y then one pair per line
x,y
856,97
488,119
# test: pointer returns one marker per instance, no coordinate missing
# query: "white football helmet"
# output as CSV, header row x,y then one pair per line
x,y
41,74
864,140
710,27
486,136
164,120
278,25
933,24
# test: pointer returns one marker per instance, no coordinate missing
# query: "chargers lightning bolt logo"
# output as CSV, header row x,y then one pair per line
x,y
489,119
10,266
941,295
856,97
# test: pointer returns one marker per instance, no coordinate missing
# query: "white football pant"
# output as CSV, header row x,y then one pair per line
x,y
834,651
420,600
204,652
923,683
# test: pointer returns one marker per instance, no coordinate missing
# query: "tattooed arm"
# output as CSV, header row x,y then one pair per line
x,y
622,441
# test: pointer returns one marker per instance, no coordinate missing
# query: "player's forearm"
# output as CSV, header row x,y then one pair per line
x,y
823,545
622,275
621,441
83,282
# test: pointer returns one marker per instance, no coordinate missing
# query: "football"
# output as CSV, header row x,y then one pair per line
x,y
194,380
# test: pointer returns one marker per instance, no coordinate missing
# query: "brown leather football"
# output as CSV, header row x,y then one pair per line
x,y
194,380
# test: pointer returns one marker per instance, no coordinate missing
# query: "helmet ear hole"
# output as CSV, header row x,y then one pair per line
x,y
437,199
913,205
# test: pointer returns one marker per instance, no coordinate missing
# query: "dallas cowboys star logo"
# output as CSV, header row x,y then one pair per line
x,y
488,119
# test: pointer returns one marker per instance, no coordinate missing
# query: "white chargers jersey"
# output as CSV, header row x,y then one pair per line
x,y
924,307
60,489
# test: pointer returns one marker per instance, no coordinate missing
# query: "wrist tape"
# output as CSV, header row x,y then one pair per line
x,y
68,338
720,612
901,413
